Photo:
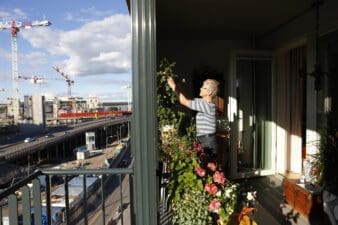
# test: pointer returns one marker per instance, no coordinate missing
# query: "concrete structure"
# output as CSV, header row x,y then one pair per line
x,y
38,109
90,140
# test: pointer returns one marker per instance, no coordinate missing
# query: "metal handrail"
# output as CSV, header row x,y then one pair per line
x,y
12,199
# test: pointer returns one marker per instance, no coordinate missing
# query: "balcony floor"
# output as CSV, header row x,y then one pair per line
x,y
270,206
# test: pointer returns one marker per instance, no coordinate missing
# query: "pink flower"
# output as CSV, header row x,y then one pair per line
x,y
219,178
200,171
214,205
198,147
211,166
211,188
181,147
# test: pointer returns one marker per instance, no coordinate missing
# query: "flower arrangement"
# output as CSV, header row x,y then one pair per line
x,y
198,191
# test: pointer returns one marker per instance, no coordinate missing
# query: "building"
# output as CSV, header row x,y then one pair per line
x,y
27,107
267,56
38,109
93,103
272,59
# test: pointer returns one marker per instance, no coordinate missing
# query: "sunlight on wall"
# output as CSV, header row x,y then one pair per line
x,y
296,154
281,140
327,104
232,109
240,121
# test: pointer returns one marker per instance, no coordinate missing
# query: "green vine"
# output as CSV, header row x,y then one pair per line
x,y
169,111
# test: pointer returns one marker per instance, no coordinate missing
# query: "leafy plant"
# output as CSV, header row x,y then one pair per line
x,y
169,111
328,157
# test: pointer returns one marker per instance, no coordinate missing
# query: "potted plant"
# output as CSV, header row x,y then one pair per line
x,y
328,166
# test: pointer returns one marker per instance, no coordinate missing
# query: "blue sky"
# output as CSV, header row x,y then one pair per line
x,y
89,40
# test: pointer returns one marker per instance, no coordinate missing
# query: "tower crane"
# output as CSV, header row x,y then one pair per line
x,y
36,79
14,27
68,80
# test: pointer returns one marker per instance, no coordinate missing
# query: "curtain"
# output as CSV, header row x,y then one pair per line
x,y
297,64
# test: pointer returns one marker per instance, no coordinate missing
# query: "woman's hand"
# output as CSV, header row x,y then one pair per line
x,y
171,83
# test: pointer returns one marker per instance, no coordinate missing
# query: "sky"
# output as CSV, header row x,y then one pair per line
x,y
88,40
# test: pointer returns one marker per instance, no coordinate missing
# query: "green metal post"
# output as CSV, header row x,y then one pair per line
x,y
143,137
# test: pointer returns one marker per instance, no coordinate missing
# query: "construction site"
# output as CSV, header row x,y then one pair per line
x,y
38,111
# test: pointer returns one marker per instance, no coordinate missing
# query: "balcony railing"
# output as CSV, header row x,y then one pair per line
x,y
80,196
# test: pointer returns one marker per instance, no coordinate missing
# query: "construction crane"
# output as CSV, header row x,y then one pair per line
x,y
68,80
14,27
37,79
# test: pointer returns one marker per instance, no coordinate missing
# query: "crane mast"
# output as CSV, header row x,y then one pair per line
x,y
15,69
14,26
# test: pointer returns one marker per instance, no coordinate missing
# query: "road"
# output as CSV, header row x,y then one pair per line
x,y
16,148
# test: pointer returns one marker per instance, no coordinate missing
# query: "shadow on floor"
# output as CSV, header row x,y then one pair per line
x,y
271,208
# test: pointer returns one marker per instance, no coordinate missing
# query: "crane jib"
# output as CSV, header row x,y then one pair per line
x,y
18,24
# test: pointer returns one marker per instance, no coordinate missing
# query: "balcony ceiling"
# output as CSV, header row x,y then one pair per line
x,y
224,19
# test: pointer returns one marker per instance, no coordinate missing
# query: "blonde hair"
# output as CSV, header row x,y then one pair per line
x,y
212,86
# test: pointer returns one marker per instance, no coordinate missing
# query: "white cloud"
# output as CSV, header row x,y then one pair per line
x,y
98,47
35,58
13,14
87,14
19,13
5,54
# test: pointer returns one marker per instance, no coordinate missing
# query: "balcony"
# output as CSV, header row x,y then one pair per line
x,y
51,196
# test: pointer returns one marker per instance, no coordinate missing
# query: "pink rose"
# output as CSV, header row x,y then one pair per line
x,y
214,205
211,166
200,171
211,188
219,178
